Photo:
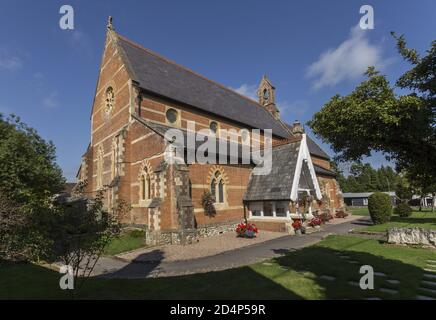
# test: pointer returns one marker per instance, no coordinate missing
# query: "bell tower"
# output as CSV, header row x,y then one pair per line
x,y
266,95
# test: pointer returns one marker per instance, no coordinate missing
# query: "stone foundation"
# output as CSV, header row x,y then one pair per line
x,y
182,237
216,229
412,236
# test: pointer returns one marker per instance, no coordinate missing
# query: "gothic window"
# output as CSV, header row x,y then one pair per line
x,y
190,189
265,94
220,192
145,185
217,187
109,100
100,155
172,116
213,187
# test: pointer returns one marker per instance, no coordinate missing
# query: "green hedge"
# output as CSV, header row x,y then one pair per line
x,y
403,210
380,207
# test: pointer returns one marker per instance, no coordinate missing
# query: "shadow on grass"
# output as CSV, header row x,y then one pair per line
x,y
299,274
28,281
337,272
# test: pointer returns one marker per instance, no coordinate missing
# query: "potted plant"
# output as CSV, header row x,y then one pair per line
x,y
246,230
298,226
315,222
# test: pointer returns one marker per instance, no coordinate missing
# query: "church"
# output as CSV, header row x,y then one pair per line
x,y
139,96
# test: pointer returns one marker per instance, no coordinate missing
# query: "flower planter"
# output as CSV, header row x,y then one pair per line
x,y
246,230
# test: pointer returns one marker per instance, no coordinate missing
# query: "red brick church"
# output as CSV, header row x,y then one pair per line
x,y
139,96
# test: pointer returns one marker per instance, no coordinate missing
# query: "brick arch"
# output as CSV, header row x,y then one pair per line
x,y
145,164
212,172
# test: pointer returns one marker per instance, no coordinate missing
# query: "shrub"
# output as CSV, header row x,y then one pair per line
x,y
379,207
136,233
403,210
208,203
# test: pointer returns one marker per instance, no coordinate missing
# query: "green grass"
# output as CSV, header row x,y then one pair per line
x,y
297,275
360,211
425,219
125,242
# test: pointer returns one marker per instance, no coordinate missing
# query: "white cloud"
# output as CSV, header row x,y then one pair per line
x,y
51,101
8,61
292,109
248,90
346,62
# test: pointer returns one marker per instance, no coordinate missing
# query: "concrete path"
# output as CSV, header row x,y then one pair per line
x,y
115,268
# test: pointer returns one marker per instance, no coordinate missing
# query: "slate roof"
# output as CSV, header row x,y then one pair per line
x,y
278,184
315,149
168,79
321,170
161,129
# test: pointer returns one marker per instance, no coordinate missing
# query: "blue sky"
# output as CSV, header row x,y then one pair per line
x,y
309,50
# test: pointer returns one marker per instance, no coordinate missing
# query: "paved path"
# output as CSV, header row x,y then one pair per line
x,y
114,268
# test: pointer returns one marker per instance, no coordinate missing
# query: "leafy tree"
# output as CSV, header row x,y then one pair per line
x,y
76,231
28,172
11,219
374,118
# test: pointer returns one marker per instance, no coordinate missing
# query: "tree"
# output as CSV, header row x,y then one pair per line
x,y
373,118
11,219
76,231
28,171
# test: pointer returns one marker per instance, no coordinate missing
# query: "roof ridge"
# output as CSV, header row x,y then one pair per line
x,y
286,141
157,55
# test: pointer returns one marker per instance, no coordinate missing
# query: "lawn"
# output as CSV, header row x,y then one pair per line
x,y
296,275
424,219
128,240
360,211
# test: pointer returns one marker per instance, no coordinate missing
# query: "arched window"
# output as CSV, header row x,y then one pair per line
x,y
220,192
213,187
145,185
190,189
109,100
217,187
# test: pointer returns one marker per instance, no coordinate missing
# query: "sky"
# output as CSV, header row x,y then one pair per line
x,y
310,50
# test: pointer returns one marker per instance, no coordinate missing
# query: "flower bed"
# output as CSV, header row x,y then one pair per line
x,y
314,222
246,230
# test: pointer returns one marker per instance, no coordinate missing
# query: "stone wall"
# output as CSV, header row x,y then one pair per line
x,y
412,236
216,229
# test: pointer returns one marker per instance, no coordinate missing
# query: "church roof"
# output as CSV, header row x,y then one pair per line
x,y
277,185
165,78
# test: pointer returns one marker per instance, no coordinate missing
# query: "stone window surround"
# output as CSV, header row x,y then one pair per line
x,y
177,123
218,179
